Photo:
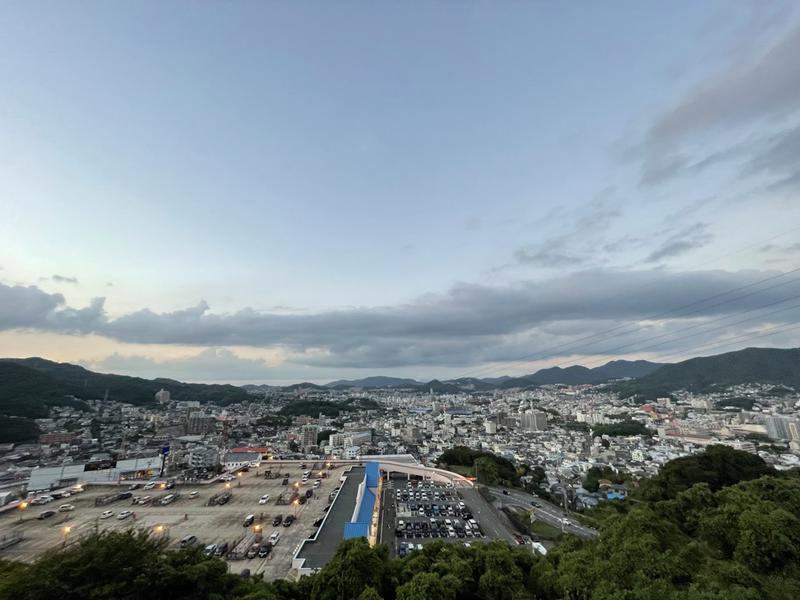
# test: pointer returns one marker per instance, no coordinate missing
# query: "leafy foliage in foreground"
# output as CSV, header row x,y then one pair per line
x,y
718,541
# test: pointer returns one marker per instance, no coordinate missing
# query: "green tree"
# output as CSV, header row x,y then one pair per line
x,y
354,567
425,586
369,593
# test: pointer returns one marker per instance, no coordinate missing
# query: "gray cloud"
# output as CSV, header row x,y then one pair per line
x,y
575,247
469,323
767,87
763,91
63,279
543,257
691,238
775,248
778,158
28,307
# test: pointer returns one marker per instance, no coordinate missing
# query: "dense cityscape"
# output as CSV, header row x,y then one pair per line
x,y
370,300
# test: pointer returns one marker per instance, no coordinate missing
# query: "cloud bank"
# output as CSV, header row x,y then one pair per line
x,y
468,325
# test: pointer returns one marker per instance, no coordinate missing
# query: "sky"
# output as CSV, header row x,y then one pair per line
x,y
269,192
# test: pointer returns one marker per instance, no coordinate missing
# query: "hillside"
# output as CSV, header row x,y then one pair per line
x,y
620,369
580,375
50,380
377,381
751,365
574,375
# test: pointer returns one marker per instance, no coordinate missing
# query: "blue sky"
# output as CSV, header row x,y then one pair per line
x,y
325,180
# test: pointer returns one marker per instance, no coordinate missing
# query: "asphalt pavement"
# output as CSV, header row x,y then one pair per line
x,y
547,512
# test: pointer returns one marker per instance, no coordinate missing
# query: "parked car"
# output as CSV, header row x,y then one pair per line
x,y
273,539
211,550
222,549
193,494
264,499
264,550
107,514
46,514
188,540
277,520
288,520
66,508
124,515
134,486
252,551
149,486
248,520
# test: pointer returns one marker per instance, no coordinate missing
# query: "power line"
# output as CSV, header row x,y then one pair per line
x,y
718,344
604,334
701,332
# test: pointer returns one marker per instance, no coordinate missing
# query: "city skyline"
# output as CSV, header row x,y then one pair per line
x,y
281,193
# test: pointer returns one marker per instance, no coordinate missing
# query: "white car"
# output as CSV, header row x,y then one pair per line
x,y
124,515
107,514
228,477
149,486
264,499
273,539
66,508
193,494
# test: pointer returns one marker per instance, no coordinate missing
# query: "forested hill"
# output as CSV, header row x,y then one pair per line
x,y
751,365
29,379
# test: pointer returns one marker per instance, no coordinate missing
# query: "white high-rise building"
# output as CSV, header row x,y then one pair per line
x,y
533,420
337,440
309,439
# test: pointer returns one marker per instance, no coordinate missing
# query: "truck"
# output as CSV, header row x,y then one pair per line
x,y
220,498
240,550
107,499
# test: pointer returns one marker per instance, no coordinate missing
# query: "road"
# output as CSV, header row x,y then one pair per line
x,y
547,512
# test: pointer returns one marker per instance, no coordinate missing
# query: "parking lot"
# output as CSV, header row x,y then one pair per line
x,y
418,512
189,514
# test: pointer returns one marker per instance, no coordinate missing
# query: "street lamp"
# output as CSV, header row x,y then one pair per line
x,y
22,506
65,530
239,477
257,529
296,507
227,485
